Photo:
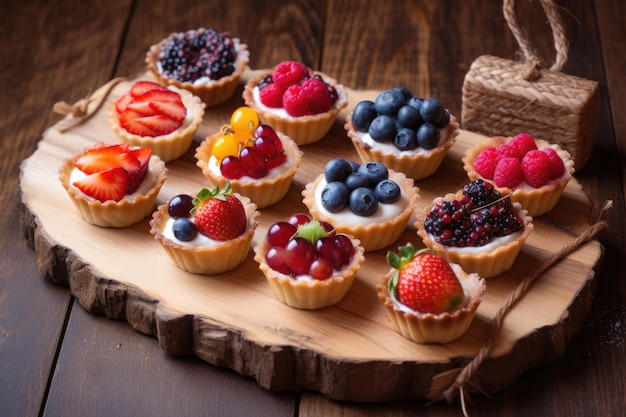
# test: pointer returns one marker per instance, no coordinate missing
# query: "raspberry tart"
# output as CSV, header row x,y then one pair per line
x,y
259,162
533,171
295,100
204,61
404,132
367,201
209,233
162,118
113,185
307,263
428,299
477,228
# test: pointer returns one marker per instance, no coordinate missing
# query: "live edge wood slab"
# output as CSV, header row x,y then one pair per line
x,y
347,352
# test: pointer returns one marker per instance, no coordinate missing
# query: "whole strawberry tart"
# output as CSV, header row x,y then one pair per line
x,y
477,228
428,299
208,233
404,132
113,185
204,61
533,171
163,119
295,100
307,263
367,201
256,160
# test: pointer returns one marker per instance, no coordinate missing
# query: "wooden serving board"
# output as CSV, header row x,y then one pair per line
x,y
349,351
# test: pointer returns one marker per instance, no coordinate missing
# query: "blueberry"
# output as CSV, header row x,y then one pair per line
x,y
335,196
363,201
355,166
389,102
406,139
445,120
409,116
374,171
184,229
363,114
382,128
337,169
406,93
356,180
431,110
428,136
387,191
415,102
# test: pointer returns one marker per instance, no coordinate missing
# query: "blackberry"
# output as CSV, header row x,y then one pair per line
x,y
190,55
481,193
265,81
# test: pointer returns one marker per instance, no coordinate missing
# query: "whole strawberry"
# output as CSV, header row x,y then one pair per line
x,y
424,281
218,214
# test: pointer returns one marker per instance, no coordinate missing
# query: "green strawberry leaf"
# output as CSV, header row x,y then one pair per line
x,y
205,194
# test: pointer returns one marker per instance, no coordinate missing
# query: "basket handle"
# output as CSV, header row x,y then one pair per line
x,y
561,44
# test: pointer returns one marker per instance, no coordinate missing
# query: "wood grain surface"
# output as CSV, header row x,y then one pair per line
x,y
56,359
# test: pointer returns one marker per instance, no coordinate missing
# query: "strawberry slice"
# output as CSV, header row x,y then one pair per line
x,y
142,87
158,95
175,110
158,124
142,155
110,184
100,158
128,120
123,101
144,108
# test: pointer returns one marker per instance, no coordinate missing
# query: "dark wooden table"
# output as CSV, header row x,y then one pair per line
x,y
57,359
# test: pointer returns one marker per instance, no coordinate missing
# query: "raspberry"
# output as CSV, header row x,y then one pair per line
x,y
271,95
520,145
508,172
537,168
288,73
485,162
308,98
556,163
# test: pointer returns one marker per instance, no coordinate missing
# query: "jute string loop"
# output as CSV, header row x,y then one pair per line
x,y
532,63
464,378
80,111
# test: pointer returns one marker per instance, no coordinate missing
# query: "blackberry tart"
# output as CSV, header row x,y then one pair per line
x,y
478,228
204,61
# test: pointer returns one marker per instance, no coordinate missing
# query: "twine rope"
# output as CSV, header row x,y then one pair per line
x,y
458,387
532,63
80,110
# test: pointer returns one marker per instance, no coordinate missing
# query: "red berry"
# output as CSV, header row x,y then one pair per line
x,y
276,259
520,145
345,246
271,95
231,168
508,172
264,130
300,255
486,161
280,233
308,98
276,161
288,73
299,218
328,249
537,168
253,162
557,168
219,214
321,269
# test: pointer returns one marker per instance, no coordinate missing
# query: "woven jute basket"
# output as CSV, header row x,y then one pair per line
x,y
503,97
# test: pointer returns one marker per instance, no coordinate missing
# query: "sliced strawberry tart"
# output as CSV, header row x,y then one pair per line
x,y
164,119
113,185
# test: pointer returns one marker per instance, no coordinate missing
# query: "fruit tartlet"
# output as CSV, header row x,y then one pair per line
x,y
307,263
208,233
113,185
533,171
162,118
367,201
204,61
295,100
428,299
404,132
259,162
477,228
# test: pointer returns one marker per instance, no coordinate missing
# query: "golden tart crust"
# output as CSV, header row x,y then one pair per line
x,y
373,235
487,264
536,201
303,130
207,260
416,165
173,145
123,213
435,328
310,294
263,191
213,93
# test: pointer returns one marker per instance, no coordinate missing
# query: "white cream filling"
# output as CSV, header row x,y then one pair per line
x,y
199,241
389,147
346,216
